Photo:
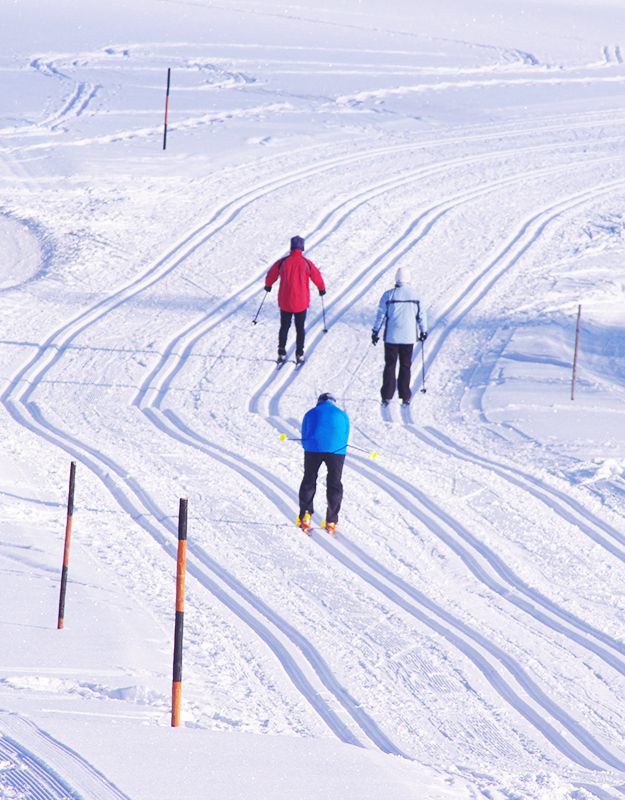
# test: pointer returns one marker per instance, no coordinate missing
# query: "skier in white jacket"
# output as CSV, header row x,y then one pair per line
x,y
405,322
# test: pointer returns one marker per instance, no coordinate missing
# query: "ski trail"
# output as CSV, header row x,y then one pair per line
x,y
134,501
449,627
489,569
75,104
40,767
558,501
244,468
53,349
161,389
404,493
597,791
362,282
178,349
97,313
527,234
524,238
379,577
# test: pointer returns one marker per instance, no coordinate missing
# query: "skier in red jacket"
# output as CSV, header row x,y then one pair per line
x,y
294,272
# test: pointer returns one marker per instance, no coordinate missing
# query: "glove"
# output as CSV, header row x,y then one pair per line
x,y
423,336
375,337
267,288
321,292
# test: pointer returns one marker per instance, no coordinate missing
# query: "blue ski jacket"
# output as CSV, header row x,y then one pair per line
x,y
401,313
325,429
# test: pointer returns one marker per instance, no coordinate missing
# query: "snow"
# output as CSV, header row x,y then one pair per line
x,y
463,636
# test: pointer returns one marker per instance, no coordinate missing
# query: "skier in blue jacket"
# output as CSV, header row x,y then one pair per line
x,y
405,322
325,431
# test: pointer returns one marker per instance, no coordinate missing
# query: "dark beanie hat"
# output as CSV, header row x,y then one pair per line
x,y
297,243
326,396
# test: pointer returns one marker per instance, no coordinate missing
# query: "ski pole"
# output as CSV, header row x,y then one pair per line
x,y
259,308
423,390
323,309
285,438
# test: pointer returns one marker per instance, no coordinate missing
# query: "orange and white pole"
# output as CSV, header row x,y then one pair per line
x,y
176,691
68,539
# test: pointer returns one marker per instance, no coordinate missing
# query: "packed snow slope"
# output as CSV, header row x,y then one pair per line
x,y
463,636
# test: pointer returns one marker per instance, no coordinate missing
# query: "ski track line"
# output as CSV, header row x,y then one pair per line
x,y
447,620
344,302
190,242
160,394
558,501
266,479
73,106
356,289
52,349
455,312
111,302
66,327
404,495
113,478
550,213
491,558
41,761
50,71
444,86
527,235
328,225
473,553
598,791
244,468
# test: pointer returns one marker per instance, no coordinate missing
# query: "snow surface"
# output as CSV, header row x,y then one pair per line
x,y
463,637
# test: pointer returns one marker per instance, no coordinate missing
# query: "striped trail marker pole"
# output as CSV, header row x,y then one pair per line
x,y
579,315
68,539
176,691
166,108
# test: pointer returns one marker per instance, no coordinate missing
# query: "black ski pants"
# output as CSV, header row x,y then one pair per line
x,y
334,488
389,380
300,333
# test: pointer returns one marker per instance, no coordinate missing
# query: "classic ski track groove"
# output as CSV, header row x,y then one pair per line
x,y
134,501
188,337
416,230
53,354
53,350
41,780
555,499
562,717
470,643
187,245
530,230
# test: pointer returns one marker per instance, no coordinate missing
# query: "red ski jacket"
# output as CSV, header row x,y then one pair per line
x,y
294,272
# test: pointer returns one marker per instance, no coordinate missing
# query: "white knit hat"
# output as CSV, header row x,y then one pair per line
x,y
403,275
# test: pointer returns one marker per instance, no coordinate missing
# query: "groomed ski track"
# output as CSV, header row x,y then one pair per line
x,y
296,655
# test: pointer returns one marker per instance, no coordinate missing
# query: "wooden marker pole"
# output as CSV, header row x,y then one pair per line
x,y
166,108
579,315
68,538
176,691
